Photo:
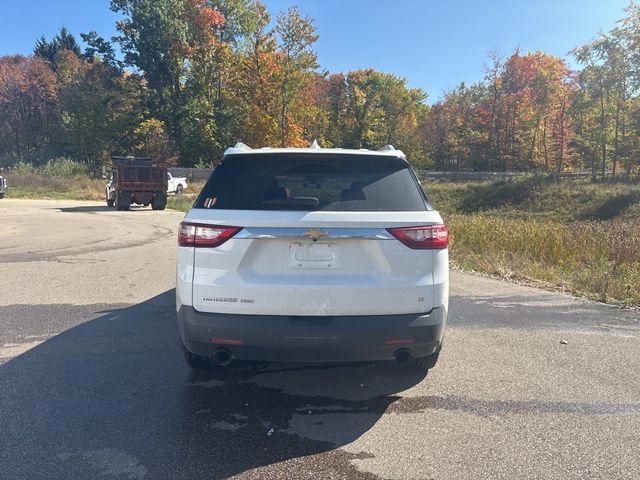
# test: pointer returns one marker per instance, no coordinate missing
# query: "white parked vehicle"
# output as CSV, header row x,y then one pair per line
x,y
176,185
312,255
3,187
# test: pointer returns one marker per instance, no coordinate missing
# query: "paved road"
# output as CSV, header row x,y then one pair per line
x,y
92,383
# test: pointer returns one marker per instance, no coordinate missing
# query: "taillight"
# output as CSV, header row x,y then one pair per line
x,y
201,235
427,237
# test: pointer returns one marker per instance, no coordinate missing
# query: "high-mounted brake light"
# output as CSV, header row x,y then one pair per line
x,y
427,237
202,235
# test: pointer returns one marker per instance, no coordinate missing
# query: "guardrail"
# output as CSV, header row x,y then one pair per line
x,y
192,174
202,174
481,176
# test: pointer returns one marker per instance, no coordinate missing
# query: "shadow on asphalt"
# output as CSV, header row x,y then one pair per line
x,y
112,398
100,208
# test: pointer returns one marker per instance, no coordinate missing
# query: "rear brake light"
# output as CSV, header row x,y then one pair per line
x,y
199,235
427,237
400,341
225,341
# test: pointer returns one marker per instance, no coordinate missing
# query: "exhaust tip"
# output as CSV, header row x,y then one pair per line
x,y
403,356
222,357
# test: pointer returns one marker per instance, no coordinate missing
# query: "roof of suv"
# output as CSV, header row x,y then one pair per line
x,y
387,151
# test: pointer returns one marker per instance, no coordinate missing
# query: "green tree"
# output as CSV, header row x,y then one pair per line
x,y
297,34
100,49
597,84
335,105
99,113
49,50
154,142
154,38
403,108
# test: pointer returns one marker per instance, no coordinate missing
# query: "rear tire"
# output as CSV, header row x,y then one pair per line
x,y
197,362
118,204
110,203
159,200
425,363
179,190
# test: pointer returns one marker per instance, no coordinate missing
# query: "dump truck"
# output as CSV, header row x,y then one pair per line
x,y
136,181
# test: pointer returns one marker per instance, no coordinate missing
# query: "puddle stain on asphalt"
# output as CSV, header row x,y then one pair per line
x,y
506,407
338,418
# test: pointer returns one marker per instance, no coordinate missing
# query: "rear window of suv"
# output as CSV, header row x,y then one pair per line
x,y
313,182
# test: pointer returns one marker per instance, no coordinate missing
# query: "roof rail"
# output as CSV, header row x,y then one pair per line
x,y
315,145
241,146
387,148
238,146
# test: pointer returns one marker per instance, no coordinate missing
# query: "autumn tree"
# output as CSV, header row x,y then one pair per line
x,y
28,107
596,101
185,49
257,84
525,111
99,112
458,134
403,108
152,141
297,34
208,73
491,116
364,110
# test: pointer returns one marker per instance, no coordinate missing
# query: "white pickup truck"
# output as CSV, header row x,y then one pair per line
x,y
3,187
176,185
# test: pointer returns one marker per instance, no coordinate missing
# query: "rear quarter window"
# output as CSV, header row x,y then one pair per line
x,y
313,182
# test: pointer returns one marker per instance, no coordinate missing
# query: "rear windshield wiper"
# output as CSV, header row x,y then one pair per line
x,y
296,202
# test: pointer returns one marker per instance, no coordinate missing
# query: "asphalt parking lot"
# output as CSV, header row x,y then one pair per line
x,y
530,384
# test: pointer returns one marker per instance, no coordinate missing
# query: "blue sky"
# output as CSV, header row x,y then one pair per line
x,y
435,44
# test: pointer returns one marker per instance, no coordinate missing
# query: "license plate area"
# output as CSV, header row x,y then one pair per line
x,y
313,349
313,255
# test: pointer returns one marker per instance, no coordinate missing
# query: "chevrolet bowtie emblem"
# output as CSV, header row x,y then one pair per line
x,y
315,234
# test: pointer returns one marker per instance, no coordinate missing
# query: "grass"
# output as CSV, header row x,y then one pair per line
x,y
183,202
564,200
571,235
36,185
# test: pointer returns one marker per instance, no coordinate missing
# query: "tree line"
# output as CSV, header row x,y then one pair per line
x,y
184,79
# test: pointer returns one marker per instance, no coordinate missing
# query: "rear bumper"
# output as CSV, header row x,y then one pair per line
x,y
309,338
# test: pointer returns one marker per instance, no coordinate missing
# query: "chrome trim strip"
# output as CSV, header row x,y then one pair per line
x,y
332,233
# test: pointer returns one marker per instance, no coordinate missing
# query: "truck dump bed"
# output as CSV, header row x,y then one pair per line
x,y
138,175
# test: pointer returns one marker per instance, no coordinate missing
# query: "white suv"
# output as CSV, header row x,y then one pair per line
x,y
312,255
